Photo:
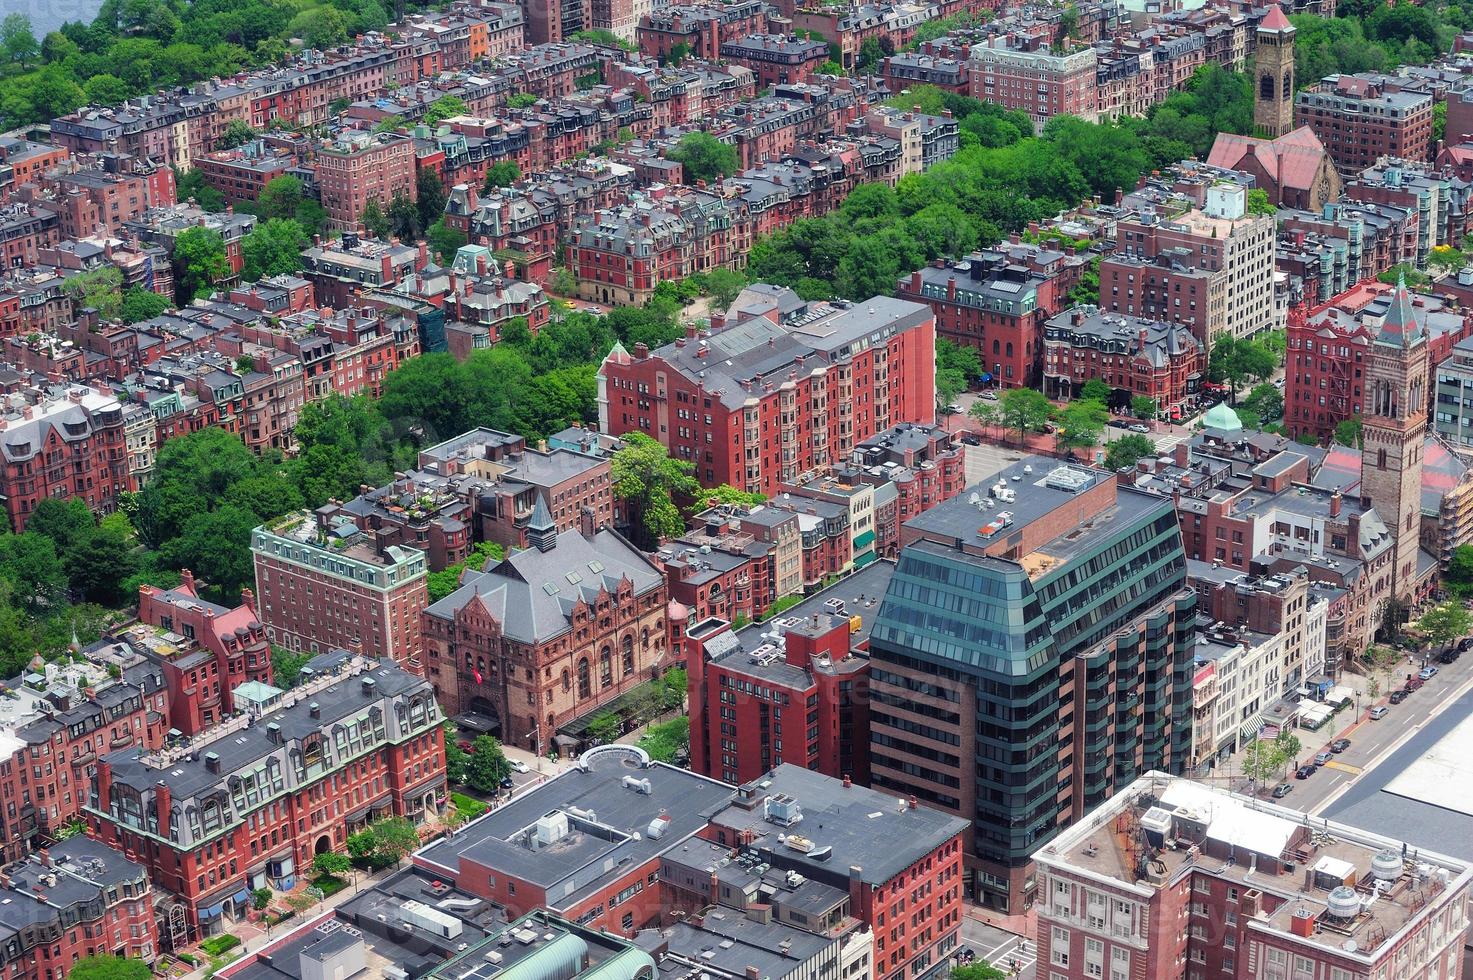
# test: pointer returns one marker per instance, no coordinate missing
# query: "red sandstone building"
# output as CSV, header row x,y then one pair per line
x,y
243,806
788,387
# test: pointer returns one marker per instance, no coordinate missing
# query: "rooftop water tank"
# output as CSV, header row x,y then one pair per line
x,y
1343,902
1386,866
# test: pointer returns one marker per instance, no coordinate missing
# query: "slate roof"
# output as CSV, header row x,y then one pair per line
x,y
532,593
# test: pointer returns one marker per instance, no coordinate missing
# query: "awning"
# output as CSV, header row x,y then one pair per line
x,y
867,558
1339,694
864,540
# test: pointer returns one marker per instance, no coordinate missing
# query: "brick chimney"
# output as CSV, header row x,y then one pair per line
x,y
186,580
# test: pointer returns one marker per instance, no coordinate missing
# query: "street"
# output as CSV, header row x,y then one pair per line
x,y
998,947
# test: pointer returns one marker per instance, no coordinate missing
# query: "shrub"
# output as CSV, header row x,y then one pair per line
x,y
216,945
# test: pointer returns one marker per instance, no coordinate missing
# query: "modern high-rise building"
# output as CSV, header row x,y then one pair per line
x,y
1032,655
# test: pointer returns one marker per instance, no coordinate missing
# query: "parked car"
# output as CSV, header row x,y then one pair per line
x,y
1448,657
1465,644
517,765
1413,682
1427,673
1282,790
508,783
1140,427
989,395
1321,758
1304,772
1379,711
971,439
1397,697
1339,745
1119,423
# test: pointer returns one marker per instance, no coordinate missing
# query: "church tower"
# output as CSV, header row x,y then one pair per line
x,y
1394,429
1273,73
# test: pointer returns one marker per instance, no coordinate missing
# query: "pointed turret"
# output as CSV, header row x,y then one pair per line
x,y
1400,328
541,531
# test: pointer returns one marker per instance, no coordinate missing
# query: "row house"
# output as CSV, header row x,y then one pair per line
x,y
359,167
552,70
1360,120
776,59
96,195
23,160
1439,197
1375,237
162,226
71,445
913,468
620,255
1164,362
25,228
342,268
242,174
701,28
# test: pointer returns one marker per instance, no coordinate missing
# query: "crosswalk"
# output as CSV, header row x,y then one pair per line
x,y
1014,952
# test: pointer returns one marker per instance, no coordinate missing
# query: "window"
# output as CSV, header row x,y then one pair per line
x,y
1059,946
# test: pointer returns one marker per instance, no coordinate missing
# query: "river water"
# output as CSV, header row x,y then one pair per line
x,y
48,15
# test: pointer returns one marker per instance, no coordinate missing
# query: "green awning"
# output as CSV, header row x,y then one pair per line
x,y
865,559
864,540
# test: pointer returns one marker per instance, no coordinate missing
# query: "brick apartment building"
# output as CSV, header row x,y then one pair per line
x,y
362,167
702,29
74,899
323,583
776,59
242,174
1174,878
59,719
1210,269
1021,72
823,377
96,196
246,805
807,667
996,301
222,649
1360,120
1143,358
925,466
339,269
71,446
969,721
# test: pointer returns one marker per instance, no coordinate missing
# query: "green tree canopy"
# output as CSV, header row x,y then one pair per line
x,y
141,304
1123,453
445,107
487,765
704,157
273,248
199,263
648,479
1023,409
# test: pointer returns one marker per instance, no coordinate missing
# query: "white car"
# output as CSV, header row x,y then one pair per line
x,y
518,766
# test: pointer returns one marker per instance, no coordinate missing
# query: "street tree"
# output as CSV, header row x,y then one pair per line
x,y
1023,409
1446,622
1262,761
1125,452
487,765
1082,423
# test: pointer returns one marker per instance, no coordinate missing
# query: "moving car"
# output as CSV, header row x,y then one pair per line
x,y
1339,745
989,395
1282,790
1139,427
1304,772
1379,711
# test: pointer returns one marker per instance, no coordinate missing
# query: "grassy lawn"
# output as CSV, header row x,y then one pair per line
x,y
468,806
330,884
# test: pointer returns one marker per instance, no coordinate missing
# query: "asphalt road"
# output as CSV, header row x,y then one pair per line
x,y
999,947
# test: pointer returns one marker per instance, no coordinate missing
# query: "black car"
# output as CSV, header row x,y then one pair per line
x,y
971,439
1304,772
1448,657
1119,423
507,782
1397,697
1465,644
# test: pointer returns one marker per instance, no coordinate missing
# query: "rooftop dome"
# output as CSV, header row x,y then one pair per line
x,y
1222,418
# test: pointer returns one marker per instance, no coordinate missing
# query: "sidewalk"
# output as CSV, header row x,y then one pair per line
x,y
1341,725
1023,924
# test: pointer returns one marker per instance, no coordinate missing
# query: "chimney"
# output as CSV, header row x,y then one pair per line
x,y
1335,504
186,580
45,857
587,522
847,782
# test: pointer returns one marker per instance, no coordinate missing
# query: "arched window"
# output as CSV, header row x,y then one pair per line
x,y
583,685
644,639
1266,87
628,655
1287,89
995,347
567,681
605,668
1010,348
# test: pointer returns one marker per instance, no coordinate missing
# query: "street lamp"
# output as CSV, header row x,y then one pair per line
x,y
536,738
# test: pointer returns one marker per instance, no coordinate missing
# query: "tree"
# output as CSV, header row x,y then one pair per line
x,y
704,157
503,173
1081,423
17,40
331,864
1262,760
199,263
604,727
723,286
66,521
238,132
445,240
1458,578
273,248
320,27
98,566
1446,622
383,844
445,107
374,220
104,967
1348,433
521,100
1123,453
648,479
678,53
217,546
725,494
1288,746
99,289
1143,407
456,758
141,304
977,971
429,197
487,765
286,666
1380,661
32,570
403,217
1259,203
1023,409
1236,361
1265,401
105,89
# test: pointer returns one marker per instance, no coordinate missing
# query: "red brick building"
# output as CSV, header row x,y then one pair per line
x,y
822,377
1139,357
74,899
701,28
112,188
793,691
1022,72
242,174
550,634
363,167
996,301
73,446
222,649
1360,120
323,583
243,806
777,59
925,465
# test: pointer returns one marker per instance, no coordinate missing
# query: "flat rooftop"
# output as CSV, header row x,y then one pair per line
x,y
580,830
1162,827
